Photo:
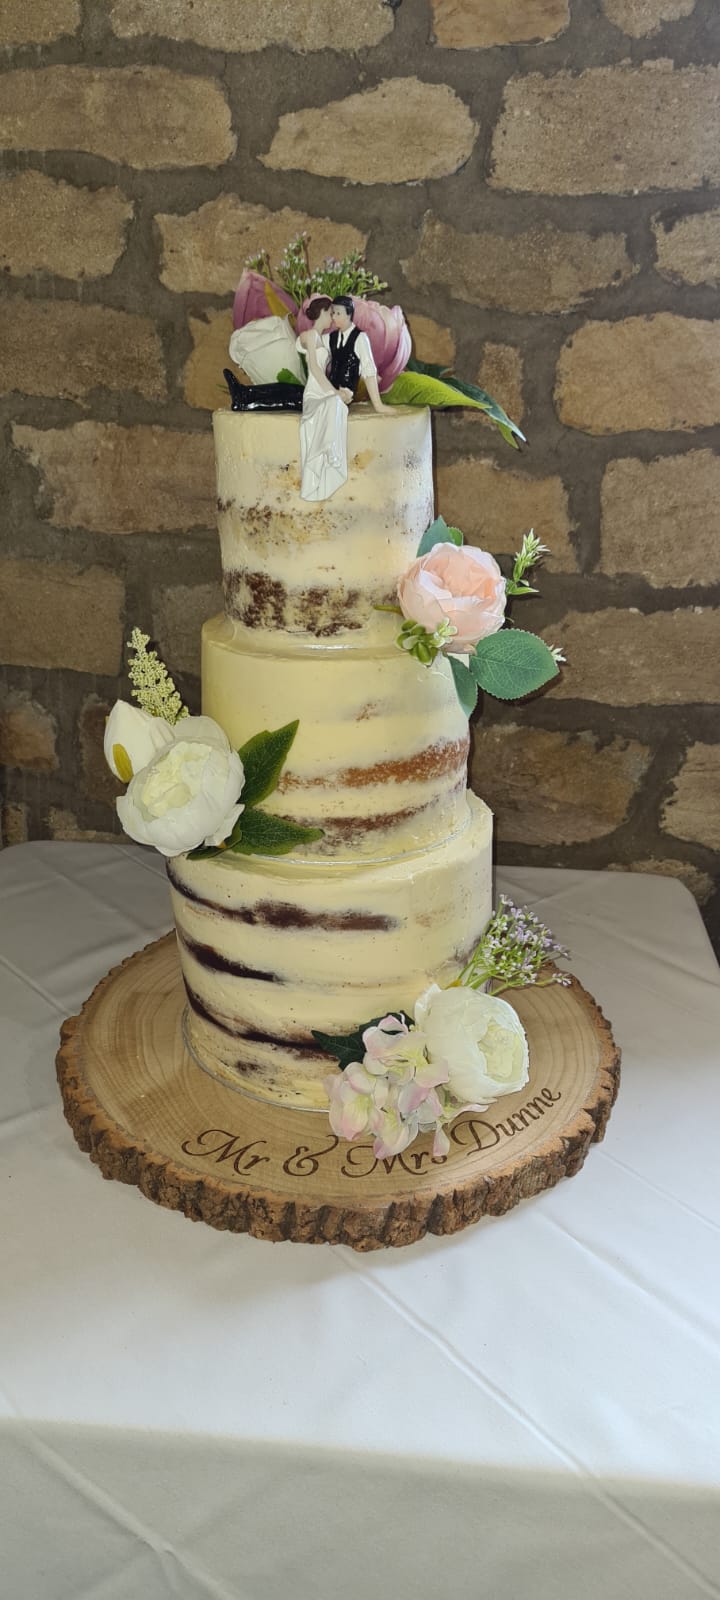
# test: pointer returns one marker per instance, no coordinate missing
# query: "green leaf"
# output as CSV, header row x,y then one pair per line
x,y
426,367
345,1047
422,384
465,684
511,664
263,758
261,834
203,851
349,1047
492,409
286,376
438,533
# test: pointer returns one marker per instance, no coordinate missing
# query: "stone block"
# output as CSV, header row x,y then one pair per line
x,y
552,788
660,372
13,823
545,269
432,341
60,348
639,18
662,519
403,131
63,824
39,23
54,615
58,228
108,479
98,782
626,658
699,883
178,616
688,248
206,249
146,117
300,25
495,507
609,130
501,374
27,734
203,382
692,811
459,26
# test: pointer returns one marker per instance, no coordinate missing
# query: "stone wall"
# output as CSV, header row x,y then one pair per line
x,y
539,181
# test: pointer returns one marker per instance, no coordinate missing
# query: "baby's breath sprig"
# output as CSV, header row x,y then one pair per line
x,y
152,686
259,263
346,276
530,553
512,953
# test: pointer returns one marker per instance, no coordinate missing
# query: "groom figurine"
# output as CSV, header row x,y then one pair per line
x,y
351,356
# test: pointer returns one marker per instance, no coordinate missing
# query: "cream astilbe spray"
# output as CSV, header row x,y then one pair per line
x,y
152,686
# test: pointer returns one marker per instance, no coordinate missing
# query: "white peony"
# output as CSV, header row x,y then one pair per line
x,y
188,793
480,1039
263,347
132,738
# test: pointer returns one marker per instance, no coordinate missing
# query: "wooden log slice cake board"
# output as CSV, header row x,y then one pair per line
x,y
147,1114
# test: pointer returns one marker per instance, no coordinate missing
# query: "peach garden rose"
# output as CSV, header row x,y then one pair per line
x,y
461,586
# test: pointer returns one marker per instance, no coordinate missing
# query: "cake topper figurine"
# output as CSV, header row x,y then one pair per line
x,y
323,428
351,356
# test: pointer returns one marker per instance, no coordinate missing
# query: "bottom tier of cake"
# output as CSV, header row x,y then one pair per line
x,y
272,948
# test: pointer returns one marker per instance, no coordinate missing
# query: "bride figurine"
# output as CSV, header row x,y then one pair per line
x,y
323,426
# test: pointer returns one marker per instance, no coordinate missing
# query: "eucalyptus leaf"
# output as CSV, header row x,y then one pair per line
x,y
438,533
512,664
465,685
263,758
262,834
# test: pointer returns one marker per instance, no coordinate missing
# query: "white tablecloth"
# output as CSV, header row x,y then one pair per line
x,y
530,1408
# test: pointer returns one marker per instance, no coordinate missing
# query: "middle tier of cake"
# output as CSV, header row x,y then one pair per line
x,y
380,757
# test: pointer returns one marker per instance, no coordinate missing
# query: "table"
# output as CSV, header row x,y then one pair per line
x,y
527,1408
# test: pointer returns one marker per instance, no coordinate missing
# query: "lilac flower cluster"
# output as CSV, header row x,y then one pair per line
x,y
514,950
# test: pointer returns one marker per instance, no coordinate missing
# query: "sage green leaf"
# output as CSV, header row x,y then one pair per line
x,y
203,851
263,758
286,376
262,834
438,533
465,684
511,664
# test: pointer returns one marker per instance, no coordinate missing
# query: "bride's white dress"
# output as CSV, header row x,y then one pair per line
x,y
323,434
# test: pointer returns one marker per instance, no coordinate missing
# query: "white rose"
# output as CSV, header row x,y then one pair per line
x,y
188,793
263,347
132,738
479,1037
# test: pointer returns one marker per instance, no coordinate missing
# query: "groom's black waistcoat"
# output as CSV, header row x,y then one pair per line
x,y
344,370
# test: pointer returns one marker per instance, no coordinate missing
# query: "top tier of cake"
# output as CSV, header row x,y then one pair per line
x,y
316,570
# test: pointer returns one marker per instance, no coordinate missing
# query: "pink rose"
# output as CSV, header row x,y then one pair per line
x,y
251,301
461,585
387,331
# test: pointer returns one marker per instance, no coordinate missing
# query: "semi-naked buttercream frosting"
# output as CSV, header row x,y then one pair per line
x,y
397,892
